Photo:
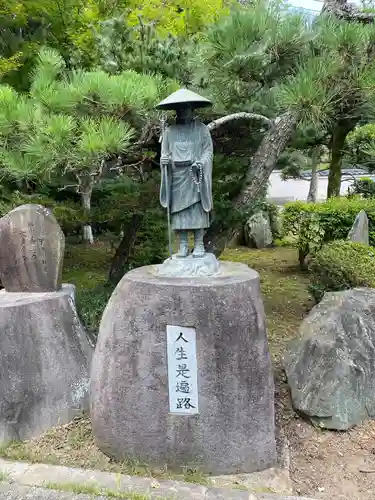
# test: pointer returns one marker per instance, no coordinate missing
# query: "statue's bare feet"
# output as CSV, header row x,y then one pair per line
x,y
183,251
199,251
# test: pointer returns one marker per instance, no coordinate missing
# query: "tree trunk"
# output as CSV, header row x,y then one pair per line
x,y
302,254
313,189
262,164
86,203
124,249
337,149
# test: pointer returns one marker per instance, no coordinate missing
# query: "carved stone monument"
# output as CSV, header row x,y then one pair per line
x,y
257,231
45,354
182,373
31,250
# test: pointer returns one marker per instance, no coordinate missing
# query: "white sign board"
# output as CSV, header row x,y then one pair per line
x,y
182,370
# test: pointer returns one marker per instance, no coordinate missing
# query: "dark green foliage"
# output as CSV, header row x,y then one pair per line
x,y
274,215
341,265
69,214
228,176
91,304
360,146
364,187
115,200
152,241
140,48
114,204
86,266
247,53
293,163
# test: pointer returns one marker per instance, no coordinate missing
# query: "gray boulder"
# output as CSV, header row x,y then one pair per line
x,y
359,231
44,362
257,231
330,366
31,250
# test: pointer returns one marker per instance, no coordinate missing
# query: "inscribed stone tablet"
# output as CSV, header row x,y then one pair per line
x,y
182,370
31,250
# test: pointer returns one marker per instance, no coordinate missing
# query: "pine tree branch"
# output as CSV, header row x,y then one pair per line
x,y
138,167
69,186
239,116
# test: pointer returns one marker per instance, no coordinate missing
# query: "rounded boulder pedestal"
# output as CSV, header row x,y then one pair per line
x,y
45,361
233,431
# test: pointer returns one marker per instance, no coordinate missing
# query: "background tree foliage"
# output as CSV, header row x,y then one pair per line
x,y
178,17
71,123
71,27
360,146
121,46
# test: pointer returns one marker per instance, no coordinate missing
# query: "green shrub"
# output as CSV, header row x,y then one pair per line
x,y
358,143
364,187
91,303
341,265
86,266
151,245
312,224
274,216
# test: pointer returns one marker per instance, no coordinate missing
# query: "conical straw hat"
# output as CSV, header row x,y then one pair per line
x,y
184,98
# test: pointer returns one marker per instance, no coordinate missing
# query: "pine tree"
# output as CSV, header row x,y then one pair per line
x,y
261,60
70,124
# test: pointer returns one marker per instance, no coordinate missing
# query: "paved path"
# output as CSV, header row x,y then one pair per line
x,y
29,481
295,189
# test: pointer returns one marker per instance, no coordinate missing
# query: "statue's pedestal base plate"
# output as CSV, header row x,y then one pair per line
x,y
189,266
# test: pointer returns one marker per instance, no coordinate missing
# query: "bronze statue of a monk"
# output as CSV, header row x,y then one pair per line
x,y
186,166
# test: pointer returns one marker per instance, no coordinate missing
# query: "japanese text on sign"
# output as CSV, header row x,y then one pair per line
x,y
182,370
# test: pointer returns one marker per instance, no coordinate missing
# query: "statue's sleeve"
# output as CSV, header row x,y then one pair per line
x,y
206,161
165,170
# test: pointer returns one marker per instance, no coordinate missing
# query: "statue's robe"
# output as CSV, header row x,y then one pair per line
x,y
182,145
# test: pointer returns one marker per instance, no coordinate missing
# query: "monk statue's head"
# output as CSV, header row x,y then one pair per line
x,y
184,114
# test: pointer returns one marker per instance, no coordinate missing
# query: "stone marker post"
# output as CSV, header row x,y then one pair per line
x,y
31,250
359,232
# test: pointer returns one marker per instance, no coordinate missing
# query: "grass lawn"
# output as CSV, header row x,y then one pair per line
x,y
284,288
86,266
286,301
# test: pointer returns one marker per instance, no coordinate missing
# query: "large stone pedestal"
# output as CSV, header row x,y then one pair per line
x,y
233,430
44,362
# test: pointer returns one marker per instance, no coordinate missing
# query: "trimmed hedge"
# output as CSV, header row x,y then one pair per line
x,y
312,224
341,265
